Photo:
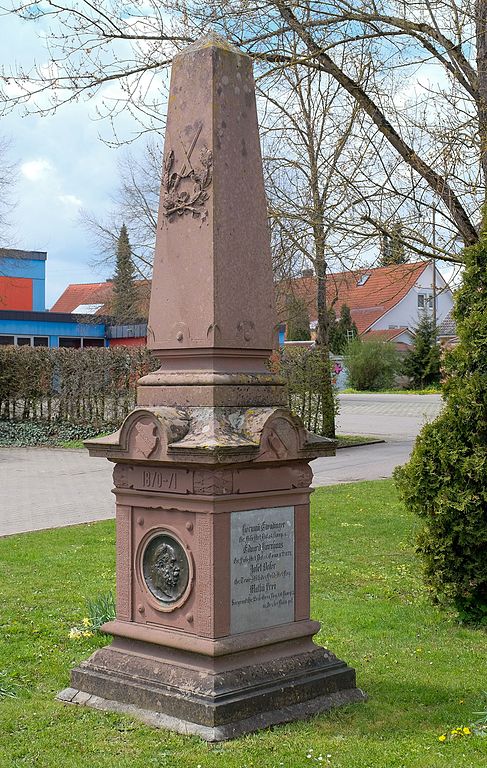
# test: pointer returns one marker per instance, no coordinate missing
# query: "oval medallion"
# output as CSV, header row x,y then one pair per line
x,y
166,568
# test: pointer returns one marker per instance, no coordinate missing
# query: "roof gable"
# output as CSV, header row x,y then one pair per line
x,y
368,299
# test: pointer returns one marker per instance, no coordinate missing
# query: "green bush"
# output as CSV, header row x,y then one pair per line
x,y
45,432
445,481
371,365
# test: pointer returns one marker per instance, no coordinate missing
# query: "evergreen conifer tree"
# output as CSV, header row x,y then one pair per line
x,y
422,362
297,319
125,297
343,331
445,481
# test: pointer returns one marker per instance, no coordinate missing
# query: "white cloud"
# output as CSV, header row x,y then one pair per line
x,y
36,169
71,200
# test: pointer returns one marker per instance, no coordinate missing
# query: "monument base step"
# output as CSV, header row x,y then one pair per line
x,y
215,706
289,714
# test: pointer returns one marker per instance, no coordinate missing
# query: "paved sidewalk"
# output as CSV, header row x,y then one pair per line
x,y
51,487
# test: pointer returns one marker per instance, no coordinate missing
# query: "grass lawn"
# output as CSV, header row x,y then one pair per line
x,y
349,441
422,672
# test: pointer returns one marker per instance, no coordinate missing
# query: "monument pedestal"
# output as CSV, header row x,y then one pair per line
x,y
213,634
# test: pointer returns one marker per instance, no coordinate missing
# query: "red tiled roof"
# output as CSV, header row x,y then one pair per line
x,y
98,293
82,293
383,289
385,334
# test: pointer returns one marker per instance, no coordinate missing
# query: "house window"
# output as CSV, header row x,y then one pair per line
x,y
76,342
350,334
425,301
72,342
363,279
25,341
93,342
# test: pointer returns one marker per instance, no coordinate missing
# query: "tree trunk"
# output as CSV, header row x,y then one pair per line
x,y
323,343
481,35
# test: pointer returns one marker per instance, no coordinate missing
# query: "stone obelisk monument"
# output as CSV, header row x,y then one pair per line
x,y
213,634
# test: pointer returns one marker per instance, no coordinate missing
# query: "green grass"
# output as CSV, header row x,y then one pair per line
x,y
423,673
348,441
78,444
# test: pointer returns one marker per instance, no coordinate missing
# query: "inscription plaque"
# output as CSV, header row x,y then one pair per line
x,y
262,568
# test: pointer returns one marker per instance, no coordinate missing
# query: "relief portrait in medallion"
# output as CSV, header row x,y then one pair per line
x,y
166,568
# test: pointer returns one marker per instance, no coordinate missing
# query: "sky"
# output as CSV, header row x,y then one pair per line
x,y
63,166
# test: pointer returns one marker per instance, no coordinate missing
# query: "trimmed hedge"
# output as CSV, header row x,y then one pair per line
x,y
48,396
303,370
93,387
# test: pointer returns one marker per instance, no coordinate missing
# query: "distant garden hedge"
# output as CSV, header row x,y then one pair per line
x,y
92,387
51,395
303,369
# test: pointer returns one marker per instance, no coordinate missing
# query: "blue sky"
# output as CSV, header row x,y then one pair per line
x,y
63,166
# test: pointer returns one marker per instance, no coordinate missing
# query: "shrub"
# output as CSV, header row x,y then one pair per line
x,y
445,481
100,610
45,432
371,365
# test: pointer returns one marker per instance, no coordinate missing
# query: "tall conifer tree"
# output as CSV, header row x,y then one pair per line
x,y
125,298
422,362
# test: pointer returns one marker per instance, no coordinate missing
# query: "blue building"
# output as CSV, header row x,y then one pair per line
x,y
24,320
50,329
22,280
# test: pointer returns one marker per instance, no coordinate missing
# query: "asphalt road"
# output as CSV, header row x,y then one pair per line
x,y
392,417
50,487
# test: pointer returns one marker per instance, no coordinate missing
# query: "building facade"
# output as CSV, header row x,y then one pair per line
x,y
22,280
24,320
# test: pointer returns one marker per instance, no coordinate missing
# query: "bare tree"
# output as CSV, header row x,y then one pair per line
x,y
311,130
437,131
135,203
7,203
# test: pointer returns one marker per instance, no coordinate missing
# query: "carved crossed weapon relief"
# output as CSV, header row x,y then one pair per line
x,y
178,200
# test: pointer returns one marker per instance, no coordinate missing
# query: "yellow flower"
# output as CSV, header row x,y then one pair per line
x,y
86,622
74,633
442,737
87,634
467,731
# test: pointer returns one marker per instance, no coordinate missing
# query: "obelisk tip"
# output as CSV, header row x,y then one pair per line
x,y
211,39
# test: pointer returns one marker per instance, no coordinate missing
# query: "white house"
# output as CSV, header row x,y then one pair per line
x,y
385,302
